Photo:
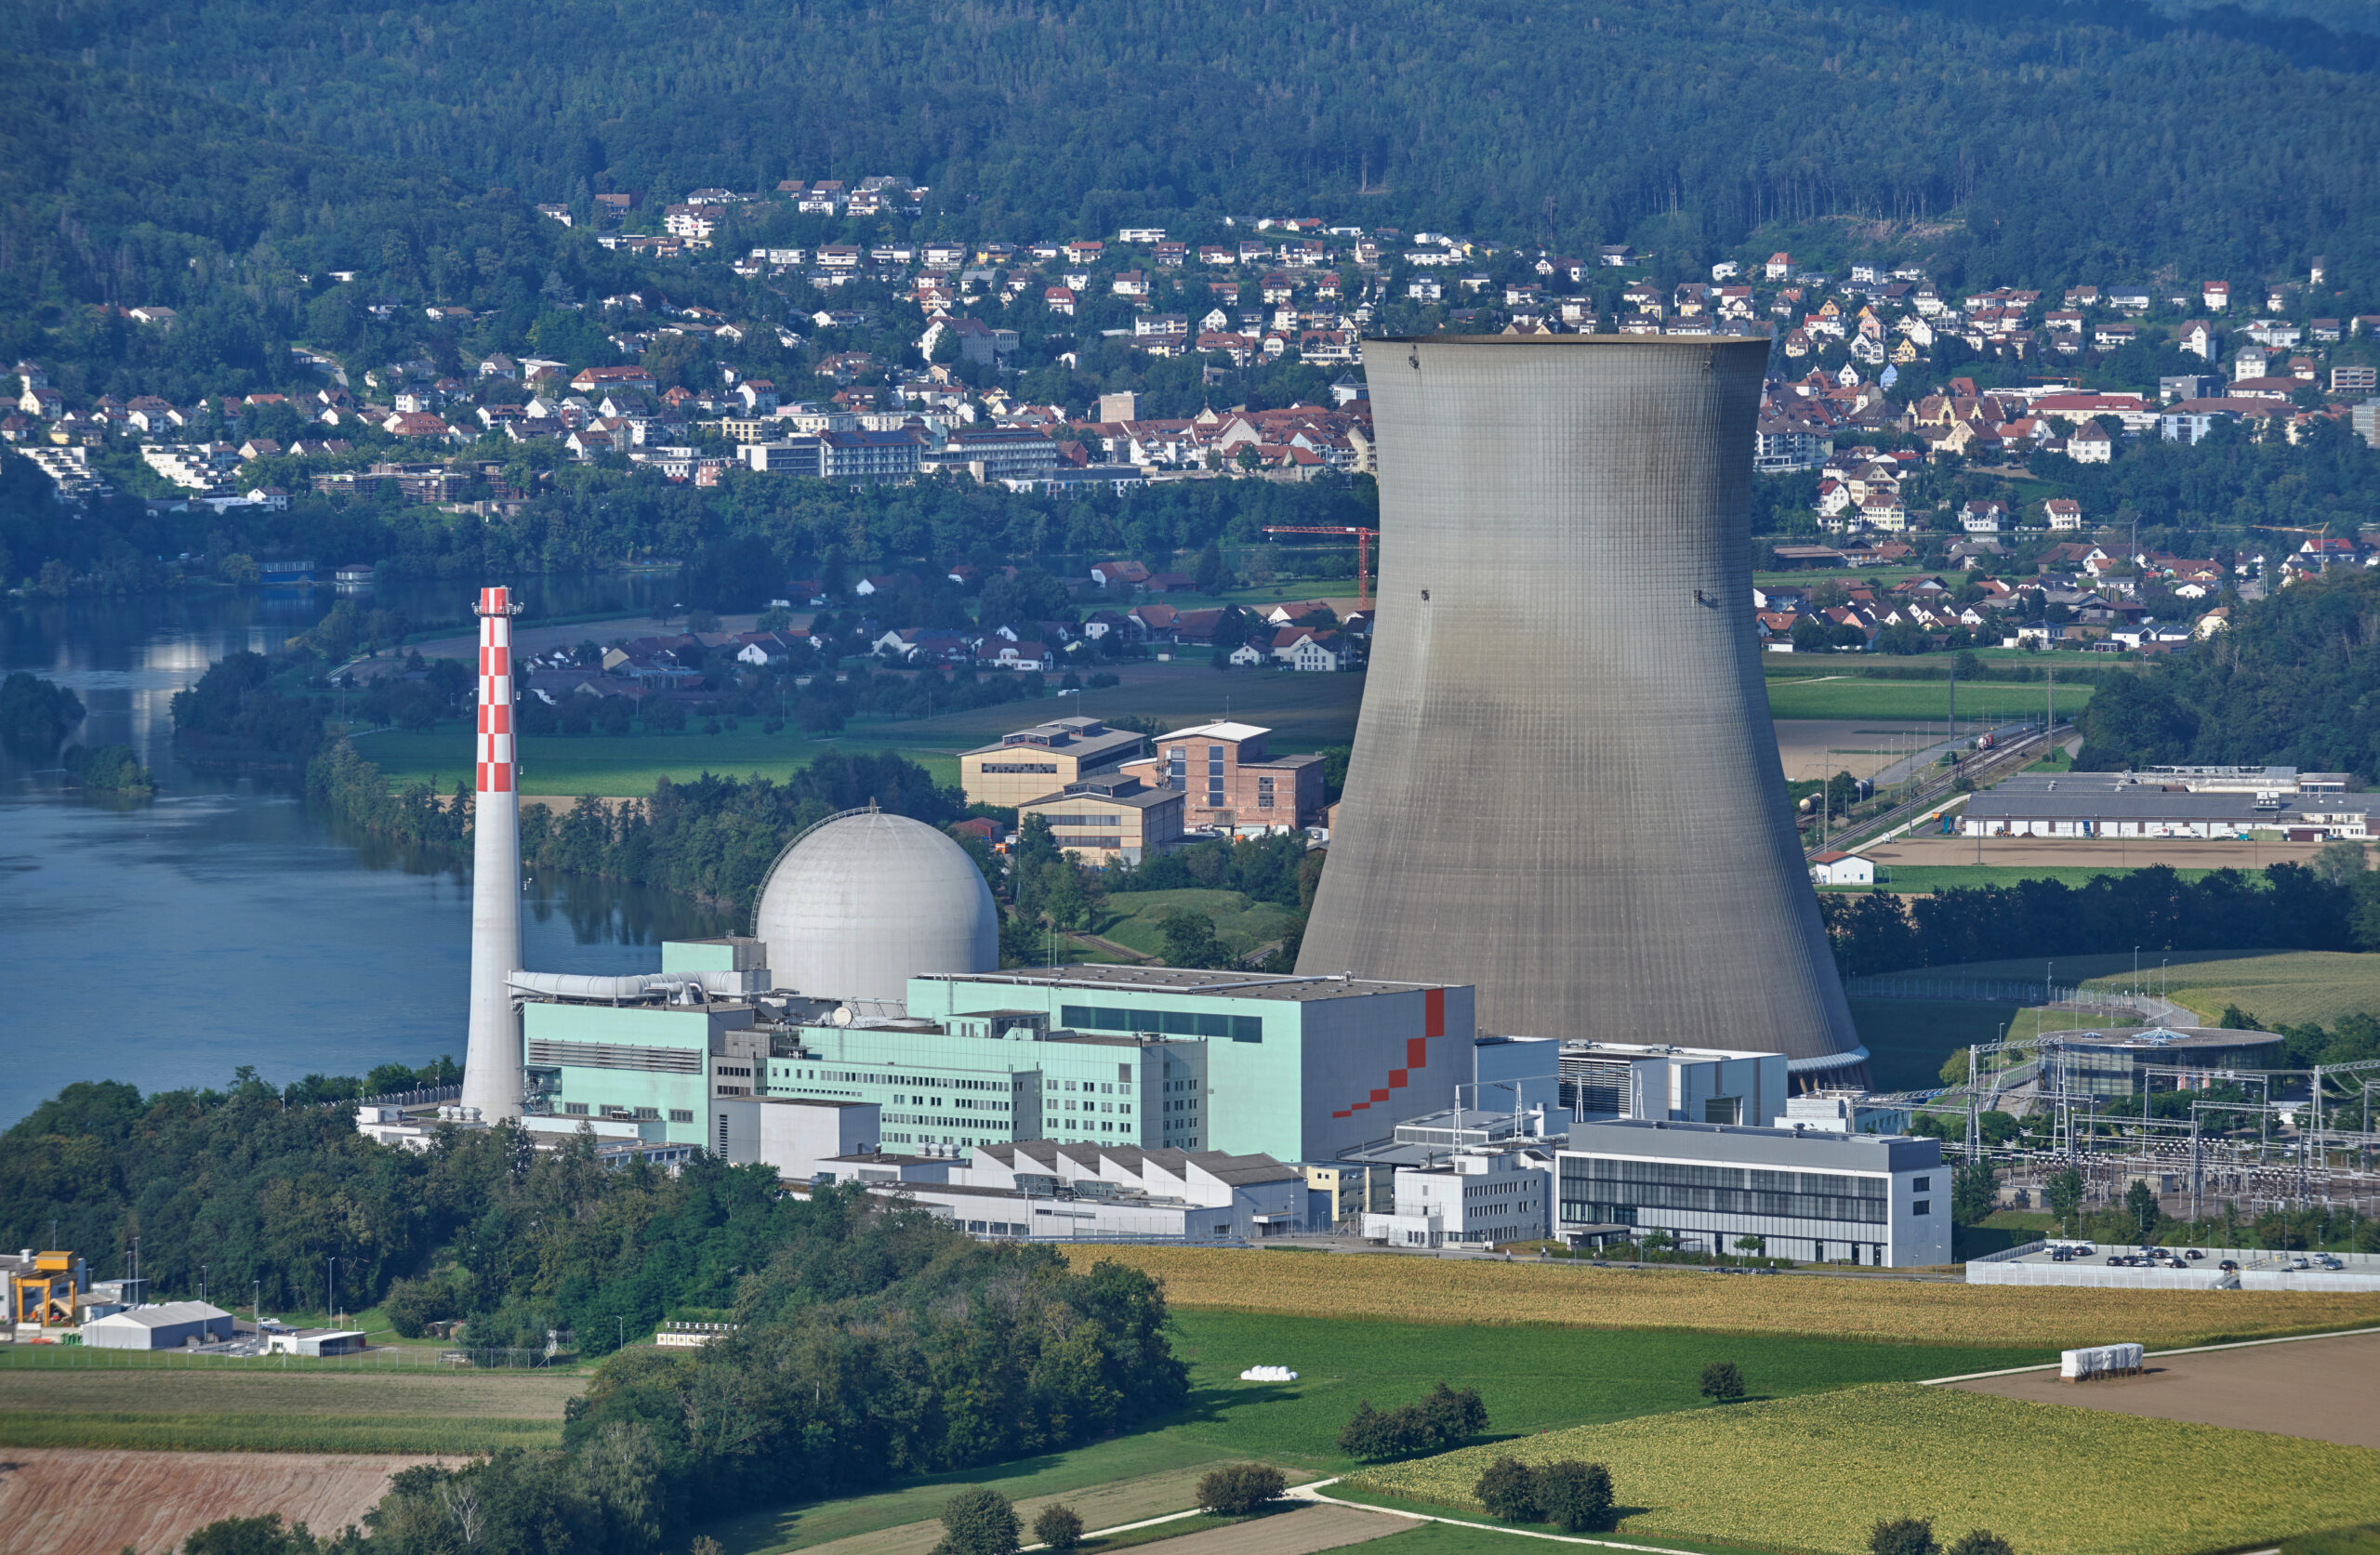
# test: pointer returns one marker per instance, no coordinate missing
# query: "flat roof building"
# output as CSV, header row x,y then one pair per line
x,y
1230,782
1661,1081
1881,1200
1043,759
2119,1063
1110,817
167,1325
1299,1068
2178,802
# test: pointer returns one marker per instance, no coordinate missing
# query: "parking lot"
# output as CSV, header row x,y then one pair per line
x,y
2128,1266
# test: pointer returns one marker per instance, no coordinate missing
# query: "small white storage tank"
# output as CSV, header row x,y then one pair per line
x,y
863,902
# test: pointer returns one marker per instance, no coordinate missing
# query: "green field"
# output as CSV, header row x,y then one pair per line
x,y
1137,918
1913,879
2279,987
263,1406
1856,697
1816,1473
1532,1378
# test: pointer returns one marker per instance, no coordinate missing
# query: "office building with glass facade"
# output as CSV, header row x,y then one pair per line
x,y
1809,1196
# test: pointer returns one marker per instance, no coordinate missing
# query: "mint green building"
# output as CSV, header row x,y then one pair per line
x,y
1299,1068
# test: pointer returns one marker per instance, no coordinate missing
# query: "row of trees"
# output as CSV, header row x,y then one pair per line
x,y
2285,906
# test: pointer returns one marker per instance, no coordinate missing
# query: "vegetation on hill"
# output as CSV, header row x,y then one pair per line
x,y
1569,122
2292,682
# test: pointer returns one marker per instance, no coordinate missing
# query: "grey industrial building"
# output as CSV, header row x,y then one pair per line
x,y
2120,1062
1883,1200
2173,802
1565,789
167,1326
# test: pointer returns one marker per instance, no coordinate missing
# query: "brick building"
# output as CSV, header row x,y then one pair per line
x,y
1228,781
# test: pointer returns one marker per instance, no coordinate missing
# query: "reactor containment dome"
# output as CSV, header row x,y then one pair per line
x,y
1565,788
865,900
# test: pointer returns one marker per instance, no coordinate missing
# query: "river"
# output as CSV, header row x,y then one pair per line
x,y
224,922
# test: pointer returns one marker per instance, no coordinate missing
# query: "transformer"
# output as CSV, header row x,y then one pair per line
x,y
1565,789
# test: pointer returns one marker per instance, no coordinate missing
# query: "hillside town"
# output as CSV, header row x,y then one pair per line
x,y
1860,399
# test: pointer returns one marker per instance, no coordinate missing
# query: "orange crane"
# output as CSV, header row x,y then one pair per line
x,y
1364,538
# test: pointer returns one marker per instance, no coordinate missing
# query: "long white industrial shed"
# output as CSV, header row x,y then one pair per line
x,y
2117,804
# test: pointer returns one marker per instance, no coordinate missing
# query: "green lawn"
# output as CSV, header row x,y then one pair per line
x,y
1856,697
1159,1459
1533,1379
1139,920
2283,987
1950,877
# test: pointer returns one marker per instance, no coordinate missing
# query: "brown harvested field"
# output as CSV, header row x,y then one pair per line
x,y
2026,852
1409,1290
74,1501
2320,1389
1292,1532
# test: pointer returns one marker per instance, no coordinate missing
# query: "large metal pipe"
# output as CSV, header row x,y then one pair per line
x,y
1565,788
635,986
492,1079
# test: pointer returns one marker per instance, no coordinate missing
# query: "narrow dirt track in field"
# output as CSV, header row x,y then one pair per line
x,y
1297,1533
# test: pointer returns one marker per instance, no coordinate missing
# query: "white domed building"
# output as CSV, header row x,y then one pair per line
x,y
865,900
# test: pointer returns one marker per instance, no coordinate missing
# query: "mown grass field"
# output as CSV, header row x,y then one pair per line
x,y
272,1433
2279,987
1816,1473
254,1407
1109,1483
1138,917
1856,697
1532,1378
1930,877
1438,1291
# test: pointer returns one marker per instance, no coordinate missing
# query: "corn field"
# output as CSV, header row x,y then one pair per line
x,y
1397,1288
1817,1472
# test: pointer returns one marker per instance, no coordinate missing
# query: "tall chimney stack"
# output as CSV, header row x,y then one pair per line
x,y
492,1062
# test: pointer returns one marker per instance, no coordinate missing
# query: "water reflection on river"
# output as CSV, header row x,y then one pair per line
x,y
168,942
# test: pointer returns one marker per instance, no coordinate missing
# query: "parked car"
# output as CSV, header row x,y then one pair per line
x,y
2229,1267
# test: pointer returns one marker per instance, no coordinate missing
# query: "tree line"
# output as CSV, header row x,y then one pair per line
x,y
2285,906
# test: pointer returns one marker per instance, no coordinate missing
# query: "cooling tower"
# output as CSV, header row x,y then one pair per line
x,y
1565,789
492,1061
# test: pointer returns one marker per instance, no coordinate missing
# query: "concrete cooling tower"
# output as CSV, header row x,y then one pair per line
x,y
1565,788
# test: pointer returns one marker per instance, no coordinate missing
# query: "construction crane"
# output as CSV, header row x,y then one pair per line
x,y
1364,538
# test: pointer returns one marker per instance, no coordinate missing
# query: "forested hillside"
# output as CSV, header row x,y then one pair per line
x,y
2077,142
2296,681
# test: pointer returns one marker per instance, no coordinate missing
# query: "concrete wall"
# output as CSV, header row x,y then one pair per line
x,y
1565,788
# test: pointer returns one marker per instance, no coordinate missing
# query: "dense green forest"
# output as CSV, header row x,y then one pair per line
x,y
2292,681
871,1342
2215,141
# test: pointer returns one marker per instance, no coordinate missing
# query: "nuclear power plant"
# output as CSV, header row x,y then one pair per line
x,y
492,1061
1565,789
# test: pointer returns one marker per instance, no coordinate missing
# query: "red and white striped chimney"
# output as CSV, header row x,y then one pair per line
x,y
492,1064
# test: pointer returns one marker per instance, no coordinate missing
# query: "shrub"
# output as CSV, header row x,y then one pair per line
x,y
1905,1536
978,1521
1509,1491
1981,1541
1237,1489
412,1306
1576,1495
1723,1381
1447,1417
1059,1526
